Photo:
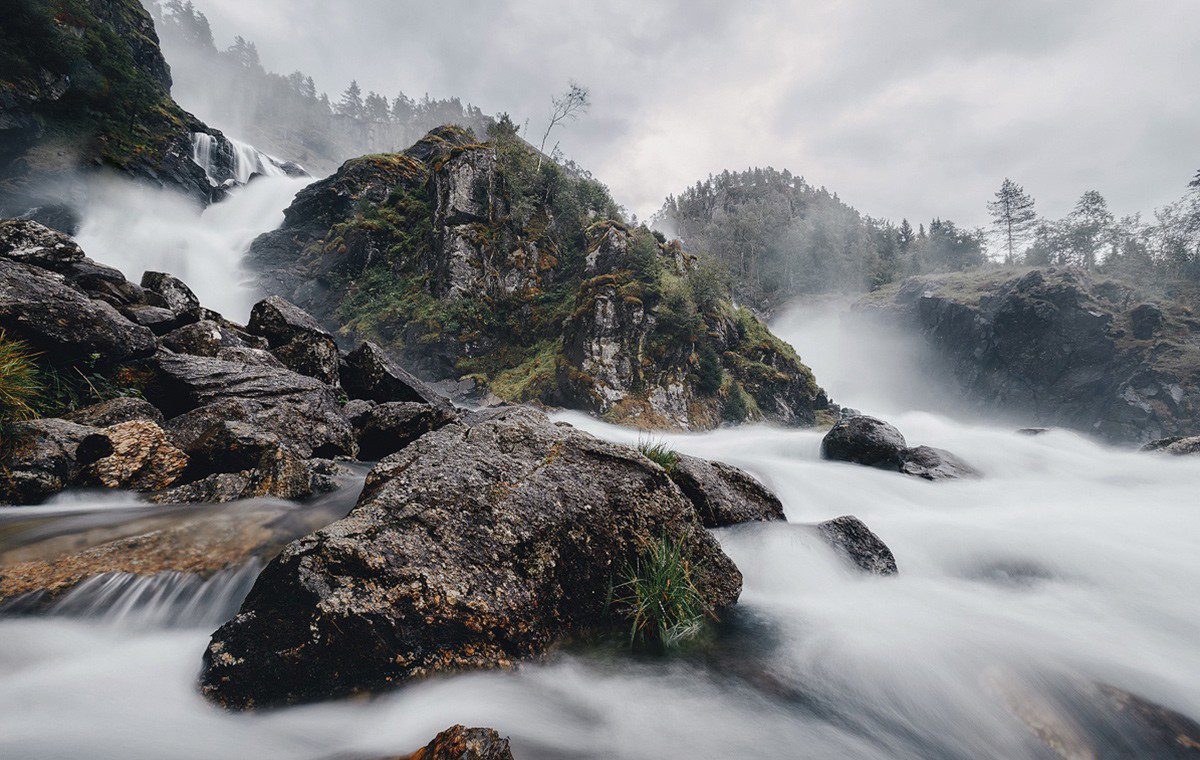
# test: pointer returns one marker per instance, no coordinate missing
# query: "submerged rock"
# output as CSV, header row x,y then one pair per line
x,y
724,495
935,464
461,743
1177,445
865,440
473,547
857,543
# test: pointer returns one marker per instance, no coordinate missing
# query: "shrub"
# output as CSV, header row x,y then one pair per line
x,y
709,374
659,453
736,409
657,597
20,388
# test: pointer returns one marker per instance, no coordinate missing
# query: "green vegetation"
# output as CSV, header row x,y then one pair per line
x,y
658,598
118,102
20,387
659,453
74,386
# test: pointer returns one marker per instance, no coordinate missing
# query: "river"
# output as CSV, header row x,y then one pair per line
x,y
1067,565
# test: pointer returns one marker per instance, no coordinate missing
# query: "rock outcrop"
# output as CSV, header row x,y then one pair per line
x,y
84,89
473,547
1176,445
461,743
449,256
1058,347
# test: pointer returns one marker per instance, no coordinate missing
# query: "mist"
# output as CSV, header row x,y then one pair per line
x,y
909,110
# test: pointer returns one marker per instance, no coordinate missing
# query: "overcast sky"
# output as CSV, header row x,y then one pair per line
x,y
905,109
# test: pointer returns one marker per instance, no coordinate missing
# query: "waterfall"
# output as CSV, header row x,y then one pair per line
x,y
228,161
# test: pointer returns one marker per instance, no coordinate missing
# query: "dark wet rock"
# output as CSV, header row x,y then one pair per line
x,y
1177,445
253,356
115,411
134,455
461,743
39,459
935,464
384,429
1057,347
195,392
369,373
864,440
296,339
280,473
176,295
38,306
1033,431
724,495
1145,320
203,338
473,547
855,541
161,321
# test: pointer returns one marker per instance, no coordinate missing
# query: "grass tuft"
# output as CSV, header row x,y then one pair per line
x,y
659,453
658,598
20,388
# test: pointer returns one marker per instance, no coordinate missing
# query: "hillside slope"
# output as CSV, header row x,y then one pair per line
x,y
480,262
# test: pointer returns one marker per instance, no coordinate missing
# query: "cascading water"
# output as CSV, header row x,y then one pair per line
x,y
1068,569
226,160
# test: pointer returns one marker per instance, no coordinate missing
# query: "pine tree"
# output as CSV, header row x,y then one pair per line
x,y
351,103
1013,217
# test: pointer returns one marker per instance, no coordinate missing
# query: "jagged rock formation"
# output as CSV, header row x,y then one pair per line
x,y
1059,347
473,547
469,263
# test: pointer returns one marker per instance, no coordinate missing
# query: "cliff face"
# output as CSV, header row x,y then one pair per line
x,y
1060,347
83,85
477,265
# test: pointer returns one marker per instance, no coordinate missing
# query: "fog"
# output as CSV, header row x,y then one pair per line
x,y
911,109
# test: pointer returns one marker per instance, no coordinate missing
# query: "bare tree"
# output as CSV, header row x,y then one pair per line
x,y
567,107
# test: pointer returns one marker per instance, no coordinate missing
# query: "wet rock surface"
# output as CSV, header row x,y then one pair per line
x,y
935,464
461,743
1176,445
114,411
473,547
858,544
865,440
296,339
384,429
39,459
134,455
369,373
723,494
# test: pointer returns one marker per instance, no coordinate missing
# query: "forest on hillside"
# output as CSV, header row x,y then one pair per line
x,y
780,237
286,114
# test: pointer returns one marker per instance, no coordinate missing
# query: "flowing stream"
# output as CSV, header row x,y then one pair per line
x,y
1069,566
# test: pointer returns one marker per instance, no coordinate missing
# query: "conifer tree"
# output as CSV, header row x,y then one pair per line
x,y
1013,217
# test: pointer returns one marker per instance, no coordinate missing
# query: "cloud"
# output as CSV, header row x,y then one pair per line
x,y
907,109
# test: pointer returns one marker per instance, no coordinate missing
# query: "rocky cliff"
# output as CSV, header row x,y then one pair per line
x,y
1059,347
481,265
83,85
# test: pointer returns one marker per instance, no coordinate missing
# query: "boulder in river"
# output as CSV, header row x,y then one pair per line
x,y
134,455
1176,445
935,464
724,495
864,440
857,543
462,743
472,547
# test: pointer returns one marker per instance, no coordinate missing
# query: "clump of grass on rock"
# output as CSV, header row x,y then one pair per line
x,y
658,599
659,453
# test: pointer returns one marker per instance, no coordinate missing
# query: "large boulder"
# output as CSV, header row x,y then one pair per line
x,y
724,495
206,337
196,392
864,440
134,455
173,292
370,374
296,339
851,538
39,459
38,306
473,547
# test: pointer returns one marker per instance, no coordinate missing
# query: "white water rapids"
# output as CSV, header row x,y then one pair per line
x,y
1068,564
